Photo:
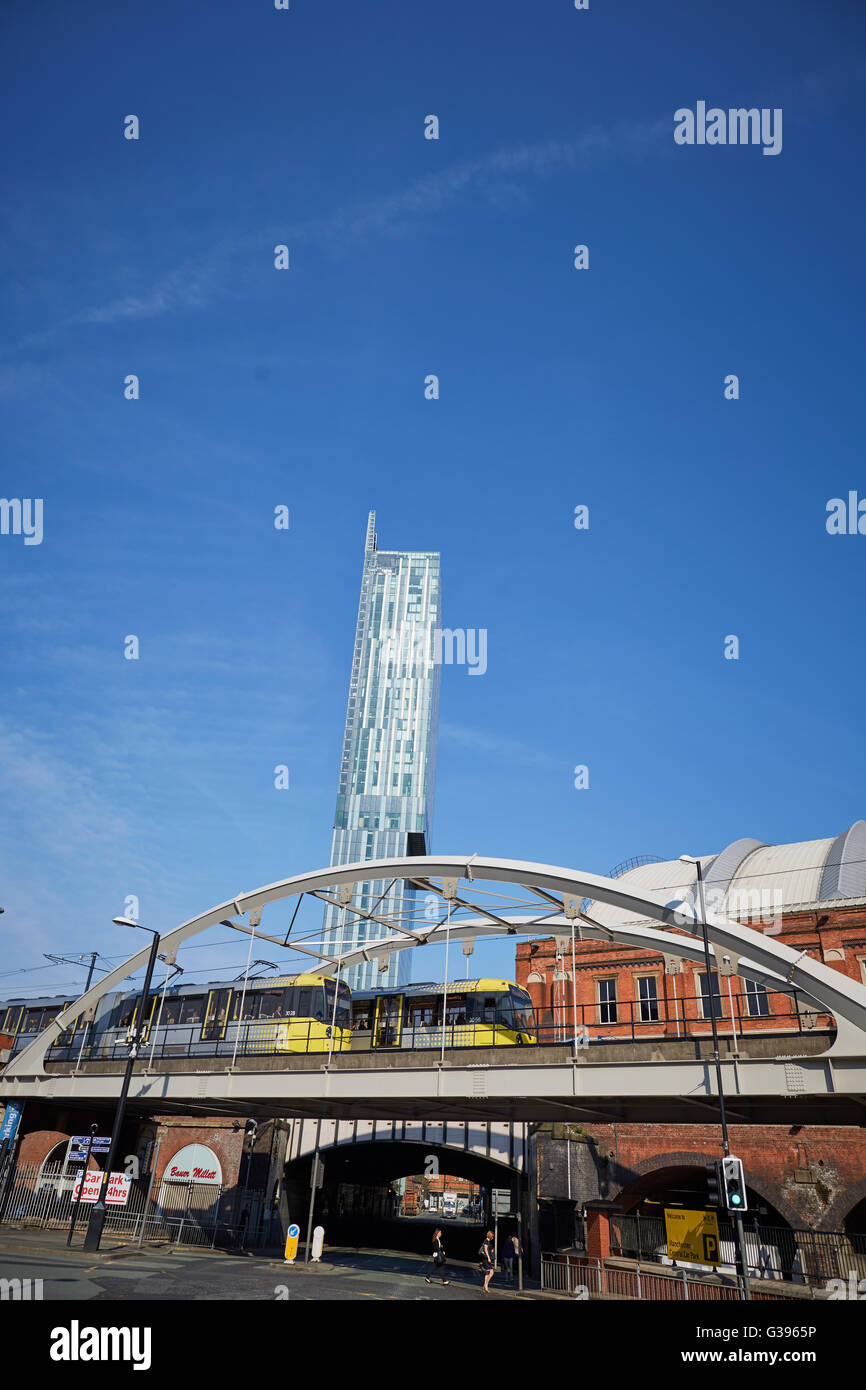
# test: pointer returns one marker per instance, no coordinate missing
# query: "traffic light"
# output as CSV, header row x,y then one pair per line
x,y
734,1184
714,1183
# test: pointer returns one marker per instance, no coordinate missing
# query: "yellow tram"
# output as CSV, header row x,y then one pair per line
x,y
478,1013
288,1013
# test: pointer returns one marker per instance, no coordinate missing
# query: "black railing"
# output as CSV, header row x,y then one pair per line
x,y
566,1026
686,1016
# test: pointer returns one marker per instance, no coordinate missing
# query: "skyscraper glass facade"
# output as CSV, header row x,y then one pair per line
x,y
385,799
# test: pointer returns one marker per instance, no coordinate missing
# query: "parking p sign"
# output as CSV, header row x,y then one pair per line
x,y
292,1236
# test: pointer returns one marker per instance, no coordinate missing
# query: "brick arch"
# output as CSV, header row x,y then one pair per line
x,y
693,1159
37,1145
834,1217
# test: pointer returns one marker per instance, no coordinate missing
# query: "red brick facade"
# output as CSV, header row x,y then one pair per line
x,y
836,936
812,1176
176,1132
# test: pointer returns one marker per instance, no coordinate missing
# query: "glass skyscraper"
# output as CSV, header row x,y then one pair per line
x,y
385,799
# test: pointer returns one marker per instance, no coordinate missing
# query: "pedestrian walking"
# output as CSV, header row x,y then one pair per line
x,y
487,1265
438,1261
511,1251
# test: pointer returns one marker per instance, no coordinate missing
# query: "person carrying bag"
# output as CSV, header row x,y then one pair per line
x,y
437,1263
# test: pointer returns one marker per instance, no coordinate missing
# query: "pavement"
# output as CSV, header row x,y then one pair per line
x,y
120,1271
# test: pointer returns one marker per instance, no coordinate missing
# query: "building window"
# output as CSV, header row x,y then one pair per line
x,y
757,1000
705,996
648,998
606,997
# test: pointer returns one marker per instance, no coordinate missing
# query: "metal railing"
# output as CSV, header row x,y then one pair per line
x,y
186,1214
773,1252
666,1018
674,1017
590,1276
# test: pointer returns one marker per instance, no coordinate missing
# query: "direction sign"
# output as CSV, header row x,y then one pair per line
x,y
693,1235
78,1146
292,1237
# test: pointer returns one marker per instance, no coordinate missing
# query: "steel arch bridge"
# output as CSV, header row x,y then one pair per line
x,y
557,896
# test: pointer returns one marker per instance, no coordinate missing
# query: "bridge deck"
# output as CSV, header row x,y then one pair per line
x,y
769,1082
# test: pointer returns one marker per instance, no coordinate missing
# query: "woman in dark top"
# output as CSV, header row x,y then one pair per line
x,y
487,1265
438,1261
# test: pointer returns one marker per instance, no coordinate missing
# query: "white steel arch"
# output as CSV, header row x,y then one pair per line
x,y
753,953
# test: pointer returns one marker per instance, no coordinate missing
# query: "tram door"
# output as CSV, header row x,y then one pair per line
x,y
389,1009
216,1015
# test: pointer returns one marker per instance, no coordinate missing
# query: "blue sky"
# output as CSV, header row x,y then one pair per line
x,y
558,387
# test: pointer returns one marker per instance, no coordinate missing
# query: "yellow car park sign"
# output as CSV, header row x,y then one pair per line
x,y
693,1236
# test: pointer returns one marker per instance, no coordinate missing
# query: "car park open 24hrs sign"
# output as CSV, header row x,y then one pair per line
x,y
116,1193
692,1235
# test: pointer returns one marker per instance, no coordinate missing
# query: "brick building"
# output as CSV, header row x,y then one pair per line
x,y
812,897
425,1194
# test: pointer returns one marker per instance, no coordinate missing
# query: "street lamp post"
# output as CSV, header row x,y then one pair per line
x,y
93,1234
742,1265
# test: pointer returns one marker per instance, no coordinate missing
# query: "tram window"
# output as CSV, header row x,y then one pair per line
x,y
191,1010
250,1007
522,1005
271,1003
506,1011
456,1009
265,1004
36,1019
344,1007
362,1020
423,1012
488,1008
171,1013
127,1014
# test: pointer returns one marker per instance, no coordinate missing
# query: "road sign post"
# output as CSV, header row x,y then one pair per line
x,y
77,1203
292,1237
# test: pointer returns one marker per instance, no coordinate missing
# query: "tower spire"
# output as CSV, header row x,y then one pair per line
x,y
371,540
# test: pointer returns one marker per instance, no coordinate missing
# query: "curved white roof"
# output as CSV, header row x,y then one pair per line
x,y
783,876
749,879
